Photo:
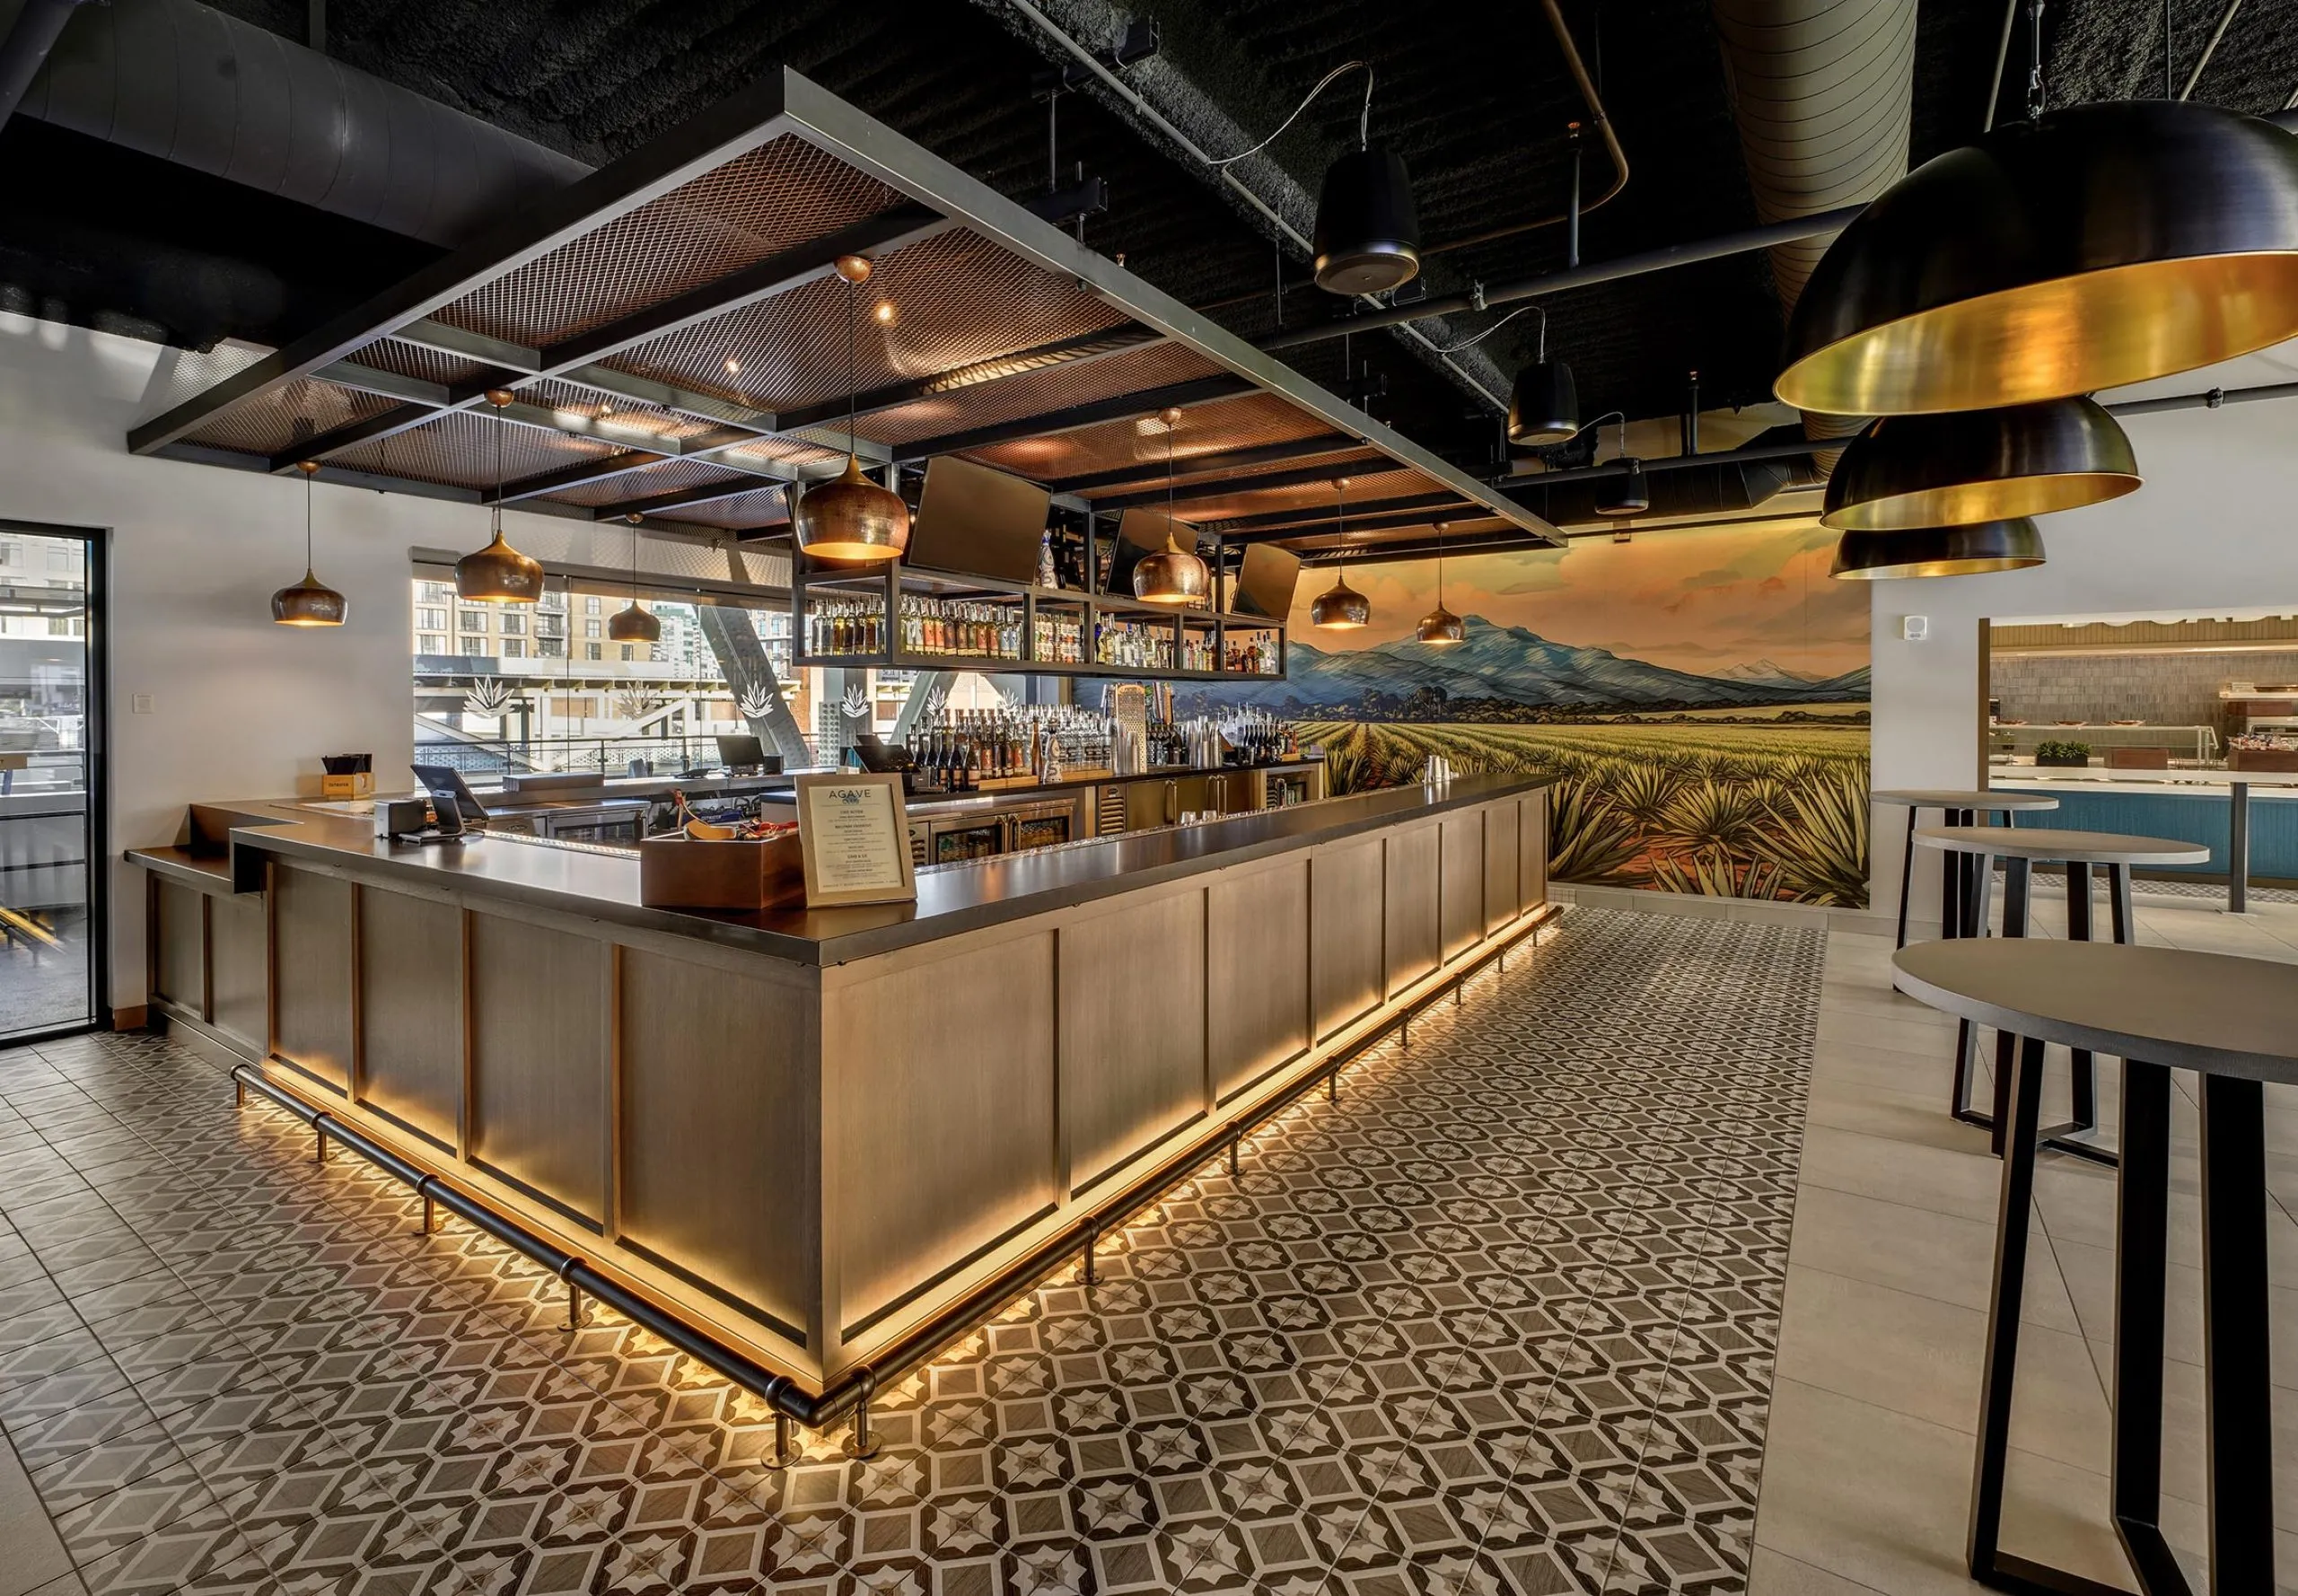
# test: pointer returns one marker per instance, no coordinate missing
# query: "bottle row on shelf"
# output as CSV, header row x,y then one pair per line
x,y
972,629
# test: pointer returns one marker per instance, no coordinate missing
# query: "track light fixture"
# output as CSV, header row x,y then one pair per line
x,y
852,518
310,602
499,574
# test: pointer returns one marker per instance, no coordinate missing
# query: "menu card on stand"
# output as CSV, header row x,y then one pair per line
x,y
855,835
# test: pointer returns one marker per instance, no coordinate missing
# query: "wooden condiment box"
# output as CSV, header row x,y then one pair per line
x,y
2138,758
2276,760
680,873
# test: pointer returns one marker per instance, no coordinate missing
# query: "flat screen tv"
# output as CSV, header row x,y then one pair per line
x,y
974,522
1265,584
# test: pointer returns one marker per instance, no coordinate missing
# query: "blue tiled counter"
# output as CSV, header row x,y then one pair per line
x,y
2188,815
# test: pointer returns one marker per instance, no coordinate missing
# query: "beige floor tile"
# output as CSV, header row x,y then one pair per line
x,y
1919,1251
1918,1118
1967,1184
1921,1357
1775,1573
34,1554
1882,1499
1869,1030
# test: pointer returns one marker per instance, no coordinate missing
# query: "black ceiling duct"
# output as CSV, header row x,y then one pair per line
x,y
1367,235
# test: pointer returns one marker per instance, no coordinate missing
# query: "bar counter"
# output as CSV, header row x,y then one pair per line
x,y
820,1136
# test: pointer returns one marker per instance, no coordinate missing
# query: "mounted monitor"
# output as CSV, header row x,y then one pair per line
x,y
1140,534
1264,582
974,522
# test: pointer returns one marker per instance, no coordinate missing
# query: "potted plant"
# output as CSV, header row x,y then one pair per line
x,y
2064,754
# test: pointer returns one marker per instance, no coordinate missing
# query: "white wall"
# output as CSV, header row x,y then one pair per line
x,y
2217,524
241,708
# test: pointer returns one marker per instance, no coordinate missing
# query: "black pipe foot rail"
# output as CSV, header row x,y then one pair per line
x,y
852,1392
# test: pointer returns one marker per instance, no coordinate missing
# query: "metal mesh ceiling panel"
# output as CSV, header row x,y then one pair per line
x,y
1387,537
1363,487
274,421
784,452
1037,393
401,358
458,450
1238,423
628,423
668,476
767,507
781,195
955,298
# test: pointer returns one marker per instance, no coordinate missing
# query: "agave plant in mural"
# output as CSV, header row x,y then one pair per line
x,y
1718,812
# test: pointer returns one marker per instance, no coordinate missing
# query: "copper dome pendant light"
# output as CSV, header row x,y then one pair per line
x,y
310,602
2097,246
499,574
2012,545
852,518
1440,628
632,623
1172,576
1340,607
1907,472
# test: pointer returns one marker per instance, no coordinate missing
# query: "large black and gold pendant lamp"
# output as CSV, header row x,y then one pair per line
x,y
633,623
1340,607
852,518
310,602
499,574
2097,246
1543,405
1440,628
2012,545
1907,472
1172,575
1627,493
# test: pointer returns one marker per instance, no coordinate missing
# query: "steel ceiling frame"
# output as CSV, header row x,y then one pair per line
x,y
938,196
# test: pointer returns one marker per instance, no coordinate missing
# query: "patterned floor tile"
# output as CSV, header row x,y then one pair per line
x,y
1499,1319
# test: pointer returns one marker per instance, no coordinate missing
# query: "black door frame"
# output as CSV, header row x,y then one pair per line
x,y
96,653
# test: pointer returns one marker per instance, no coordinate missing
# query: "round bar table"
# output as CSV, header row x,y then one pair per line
x,y
2018,849
1958,807
2159,1009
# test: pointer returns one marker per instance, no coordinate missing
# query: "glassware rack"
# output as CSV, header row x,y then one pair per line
x,y
898,618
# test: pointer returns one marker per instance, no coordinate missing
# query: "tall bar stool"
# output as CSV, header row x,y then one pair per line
x,y
1959,807
2081,852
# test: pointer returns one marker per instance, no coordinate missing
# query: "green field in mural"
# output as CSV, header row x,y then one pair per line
x,y
1723,811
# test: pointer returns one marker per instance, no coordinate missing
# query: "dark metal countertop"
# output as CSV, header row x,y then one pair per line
x,y
948,902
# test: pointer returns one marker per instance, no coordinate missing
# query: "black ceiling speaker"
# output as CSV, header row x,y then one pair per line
x,y
1627,493
1368,234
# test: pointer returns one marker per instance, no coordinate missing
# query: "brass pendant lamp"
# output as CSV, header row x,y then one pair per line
x,y
2097,246
1440,628
1907,472
499,574
1340,607
852,518
310,602
2012,545
1172,576
632,623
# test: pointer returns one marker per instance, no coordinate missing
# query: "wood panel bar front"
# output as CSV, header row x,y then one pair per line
x,y
817,1159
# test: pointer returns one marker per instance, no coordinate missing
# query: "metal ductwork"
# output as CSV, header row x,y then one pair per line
x,y
178,81
1681,486
1822,91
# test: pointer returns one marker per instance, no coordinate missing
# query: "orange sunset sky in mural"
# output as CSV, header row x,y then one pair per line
x,y
1694,600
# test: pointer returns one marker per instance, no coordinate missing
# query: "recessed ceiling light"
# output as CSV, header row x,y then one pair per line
x,y
885,312
734,366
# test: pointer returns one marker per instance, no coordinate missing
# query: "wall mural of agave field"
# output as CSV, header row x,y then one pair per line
x,y
1692,760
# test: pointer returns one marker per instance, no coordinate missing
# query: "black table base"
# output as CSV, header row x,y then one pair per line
x,y
2017,890
2237,1376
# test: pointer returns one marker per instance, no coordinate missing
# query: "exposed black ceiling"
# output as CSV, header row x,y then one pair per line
x,y
1475,96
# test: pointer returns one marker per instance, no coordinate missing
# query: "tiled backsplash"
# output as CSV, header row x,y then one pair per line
x,y
2162,689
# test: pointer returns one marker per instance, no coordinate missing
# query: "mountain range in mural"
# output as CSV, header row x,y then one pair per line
x,y
1516,665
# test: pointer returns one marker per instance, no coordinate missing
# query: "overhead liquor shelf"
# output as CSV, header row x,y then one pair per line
x,y
673,332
